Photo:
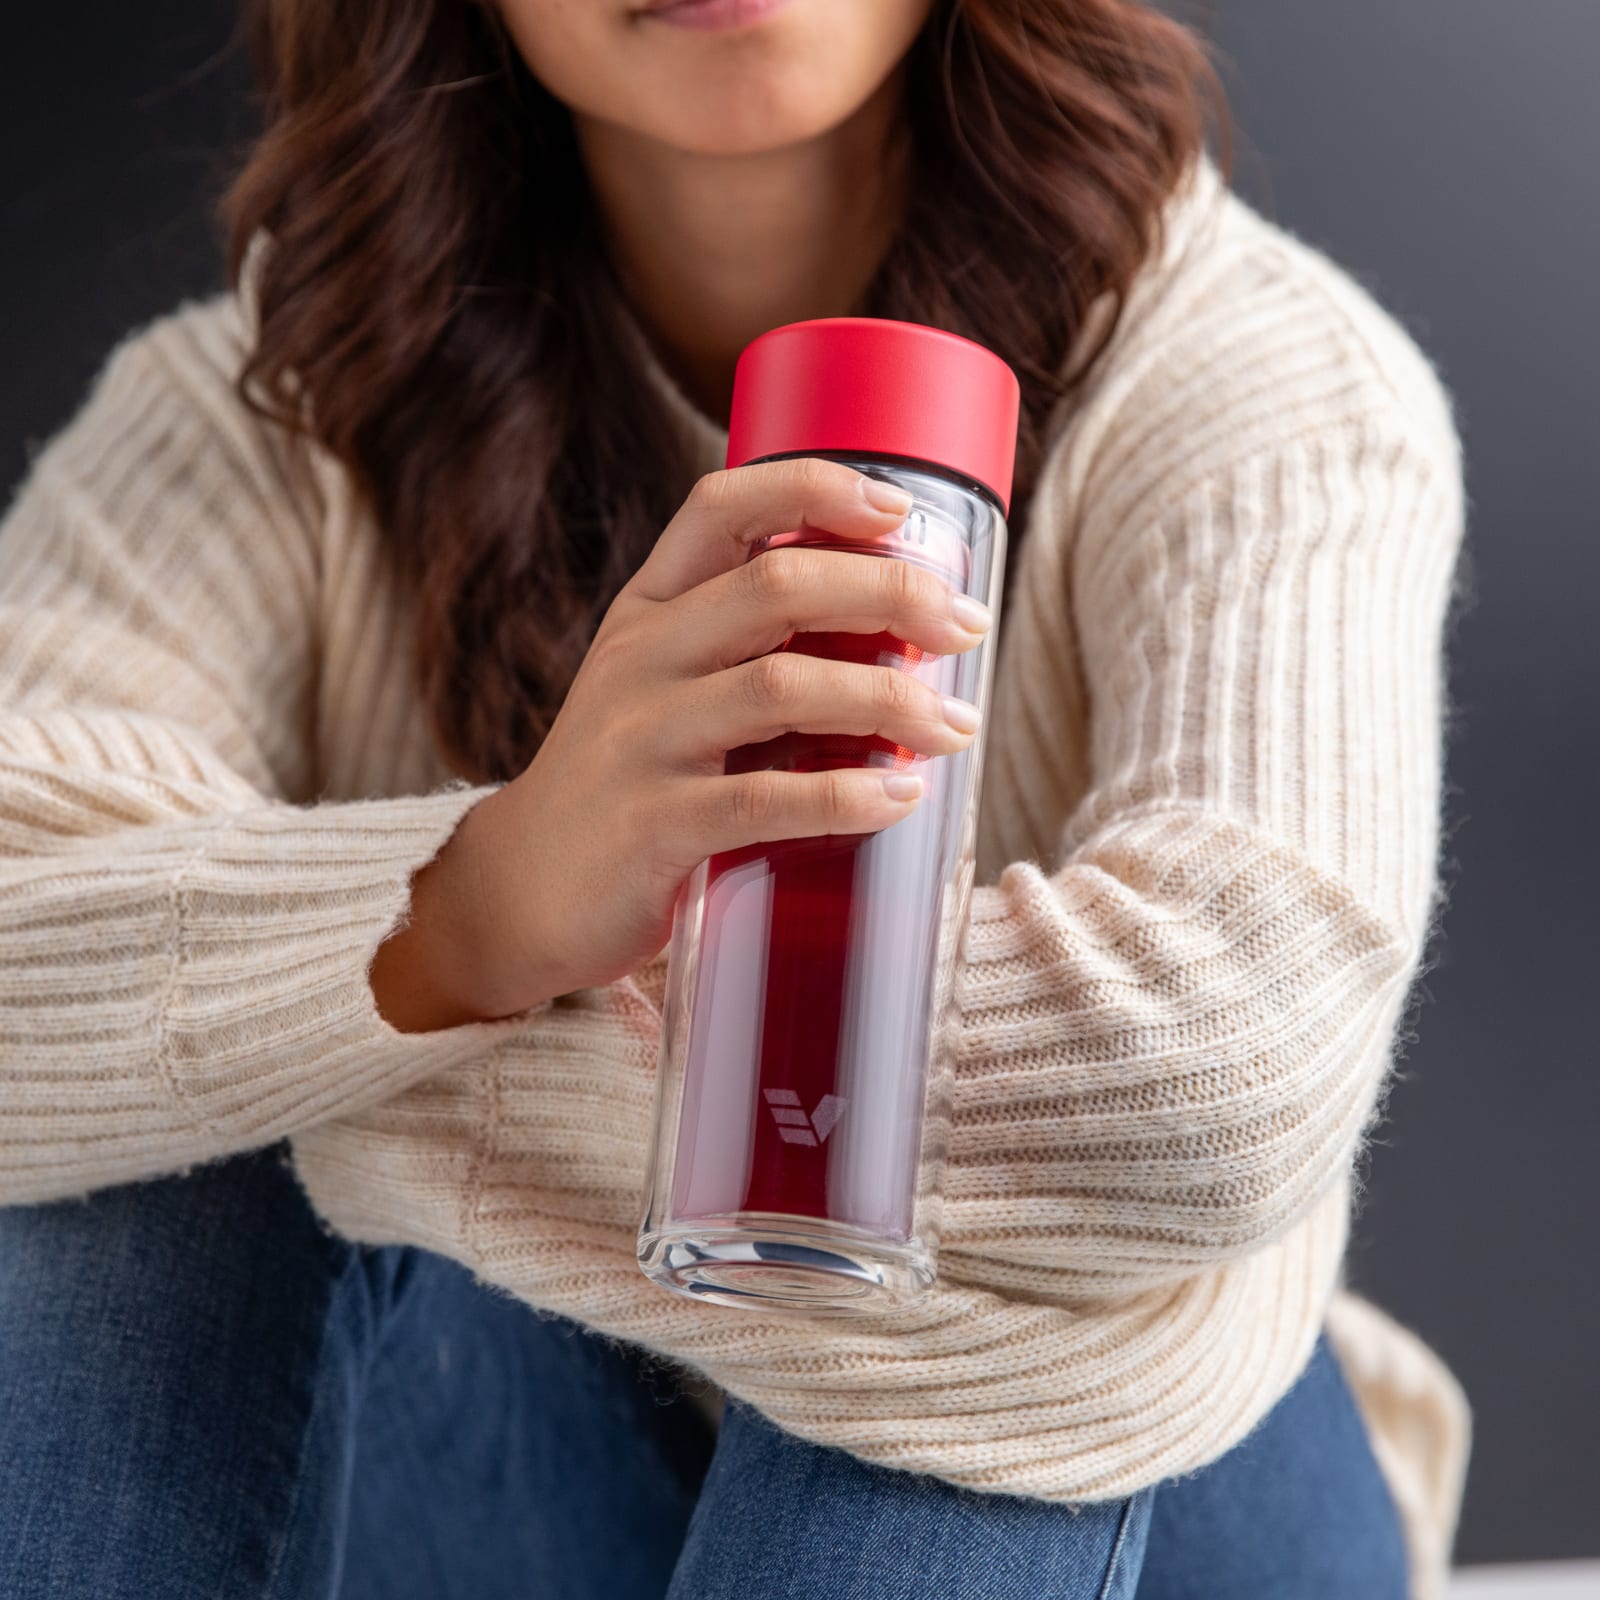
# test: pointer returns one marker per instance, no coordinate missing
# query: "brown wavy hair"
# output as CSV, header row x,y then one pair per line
x,y
433,302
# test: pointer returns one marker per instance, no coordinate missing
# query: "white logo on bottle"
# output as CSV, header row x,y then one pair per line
x,y
794,1125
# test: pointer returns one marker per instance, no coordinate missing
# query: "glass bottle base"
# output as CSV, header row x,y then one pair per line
x,y
785,1264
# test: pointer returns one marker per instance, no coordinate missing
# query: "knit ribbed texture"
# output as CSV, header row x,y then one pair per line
x,y
1206,870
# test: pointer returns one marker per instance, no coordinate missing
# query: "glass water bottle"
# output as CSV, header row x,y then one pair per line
x,y
809,1032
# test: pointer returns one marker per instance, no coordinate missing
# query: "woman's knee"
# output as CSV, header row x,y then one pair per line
x,y
132,1282
779,1516
1299,1507
160,1343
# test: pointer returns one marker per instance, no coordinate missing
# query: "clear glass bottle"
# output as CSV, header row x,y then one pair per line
x,y
809,1028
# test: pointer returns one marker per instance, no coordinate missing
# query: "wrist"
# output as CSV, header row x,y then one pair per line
x,y
446,965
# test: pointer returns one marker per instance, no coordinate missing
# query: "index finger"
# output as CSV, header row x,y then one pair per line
x,y
728,510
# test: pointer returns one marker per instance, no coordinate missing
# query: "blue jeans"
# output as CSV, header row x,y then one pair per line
x,y
205,1394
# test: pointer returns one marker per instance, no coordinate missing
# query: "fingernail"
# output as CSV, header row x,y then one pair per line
x,y
962,715
902,786
973,615
885,496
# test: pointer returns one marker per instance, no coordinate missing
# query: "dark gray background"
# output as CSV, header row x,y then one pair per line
x,y
1447,152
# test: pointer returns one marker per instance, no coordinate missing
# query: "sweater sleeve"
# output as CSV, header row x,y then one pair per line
x,y
1174,1036
185,932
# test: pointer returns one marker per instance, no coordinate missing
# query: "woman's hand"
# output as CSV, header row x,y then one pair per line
x,y
566,877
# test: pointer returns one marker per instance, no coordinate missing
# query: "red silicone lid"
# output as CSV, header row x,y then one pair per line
x,y
871,384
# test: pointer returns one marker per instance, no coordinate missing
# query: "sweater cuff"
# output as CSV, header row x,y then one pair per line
x,y
269,1023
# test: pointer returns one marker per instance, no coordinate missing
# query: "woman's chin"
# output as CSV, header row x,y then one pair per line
x,y
757,116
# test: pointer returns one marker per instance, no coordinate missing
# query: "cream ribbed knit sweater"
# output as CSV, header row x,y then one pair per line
x,y
1206,872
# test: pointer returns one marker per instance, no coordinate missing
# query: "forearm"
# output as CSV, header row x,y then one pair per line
x,y
187,965
1168,1052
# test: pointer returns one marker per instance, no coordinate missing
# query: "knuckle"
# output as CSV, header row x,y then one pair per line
x,y
813,475
837,796
609,653
778,679
905,586
897,692
713,491
754,800
774,577
796,474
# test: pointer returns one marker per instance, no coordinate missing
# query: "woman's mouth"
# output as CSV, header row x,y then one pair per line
x,y
712,13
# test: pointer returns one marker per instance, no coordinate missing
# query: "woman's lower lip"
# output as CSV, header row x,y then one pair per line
x,y
716,13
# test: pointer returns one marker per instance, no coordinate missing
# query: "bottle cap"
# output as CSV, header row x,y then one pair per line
x,y
871,385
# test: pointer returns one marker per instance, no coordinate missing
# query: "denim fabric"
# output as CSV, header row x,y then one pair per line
x,y
204,1394
781,1519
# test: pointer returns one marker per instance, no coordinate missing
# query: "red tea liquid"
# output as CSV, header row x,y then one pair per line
x,y
809,1035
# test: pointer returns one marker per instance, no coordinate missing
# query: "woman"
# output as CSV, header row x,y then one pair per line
x,y
371,643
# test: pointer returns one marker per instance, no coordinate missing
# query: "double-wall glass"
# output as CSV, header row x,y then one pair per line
x,y
809,1028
